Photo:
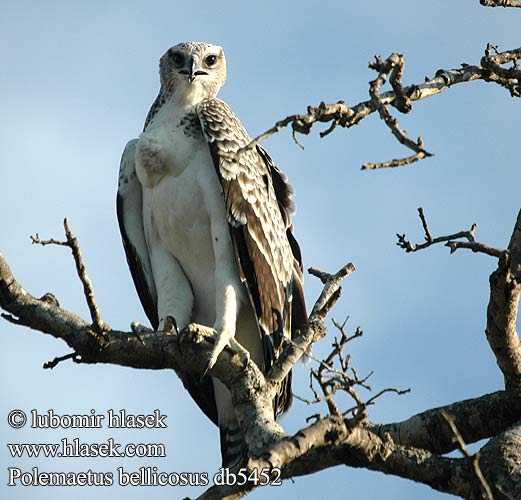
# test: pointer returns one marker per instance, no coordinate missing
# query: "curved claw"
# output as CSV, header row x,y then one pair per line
x,y
137,328
170,325
223,339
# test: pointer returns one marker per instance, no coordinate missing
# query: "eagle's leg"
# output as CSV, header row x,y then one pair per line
x,y
225,328
226,318
229,291
174,294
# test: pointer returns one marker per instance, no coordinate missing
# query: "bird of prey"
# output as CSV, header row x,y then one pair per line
x,y
208,237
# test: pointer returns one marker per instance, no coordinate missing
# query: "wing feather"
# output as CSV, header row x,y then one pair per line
x,y
258,202
129,205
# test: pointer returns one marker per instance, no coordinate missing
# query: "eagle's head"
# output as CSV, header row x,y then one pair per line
x,y
193,71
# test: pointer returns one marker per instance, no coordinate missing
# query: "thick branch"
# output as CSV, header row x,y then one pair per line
x,y
331,442
505,291
184,353
396,448
477,418
499,459
152,350
43,315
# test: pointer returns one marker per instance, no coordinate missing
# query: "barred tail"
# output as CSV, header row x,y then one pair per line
x,y
234,451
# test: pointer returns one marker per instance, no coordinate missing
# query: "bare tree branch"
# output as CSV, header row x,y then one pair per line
x,y
88,289
510,78
335,441
340,114
499,460
315,328
397,162
477,419
476,247
394,65
345,116
393,448
335,375
358,447
505,290
500,3
471,244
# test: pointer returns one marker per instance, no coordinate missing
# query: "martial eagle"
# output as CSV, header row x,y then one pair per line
x,y
208,238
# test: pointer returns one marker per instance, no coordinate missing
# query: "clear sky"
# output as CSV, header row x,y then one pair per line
x,y
76,83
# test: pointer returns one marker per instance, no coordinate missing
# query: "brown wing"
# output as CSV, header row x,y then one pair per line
x,y
258,204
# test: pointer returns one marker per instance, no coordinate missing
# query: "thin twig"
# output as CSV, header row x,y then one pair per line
x,y
73,244
393,64
471,244
399,392
458,438
428,235
321,275
36,240
396,162
475,246
331,379
314,330
51,364
331,287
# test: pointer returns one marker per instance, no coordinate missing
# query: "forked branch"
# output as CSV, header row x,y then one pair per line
x,y
339,114
88,290
453,241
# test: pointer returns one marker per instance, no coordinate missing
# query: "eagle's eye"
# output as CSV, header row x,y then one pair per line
x,y
179,59
210,60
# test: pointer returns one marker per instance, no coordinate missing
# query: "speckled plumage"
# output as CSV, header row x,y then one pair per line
x,y
190,124
252,207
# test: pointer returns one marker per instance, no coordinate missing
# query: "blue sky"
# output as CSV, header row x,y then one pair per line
x,y
77,82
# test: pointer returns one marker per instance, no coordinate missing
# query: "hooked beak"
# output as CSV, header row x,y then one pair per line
x,y
194,70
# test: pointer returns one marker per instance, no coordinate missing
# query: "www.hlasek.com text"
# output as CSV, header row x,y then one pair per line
x,y
74,448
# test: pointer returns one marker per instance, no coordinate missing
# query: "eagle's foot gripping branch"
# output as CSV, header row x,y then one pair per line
x,y
199,333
